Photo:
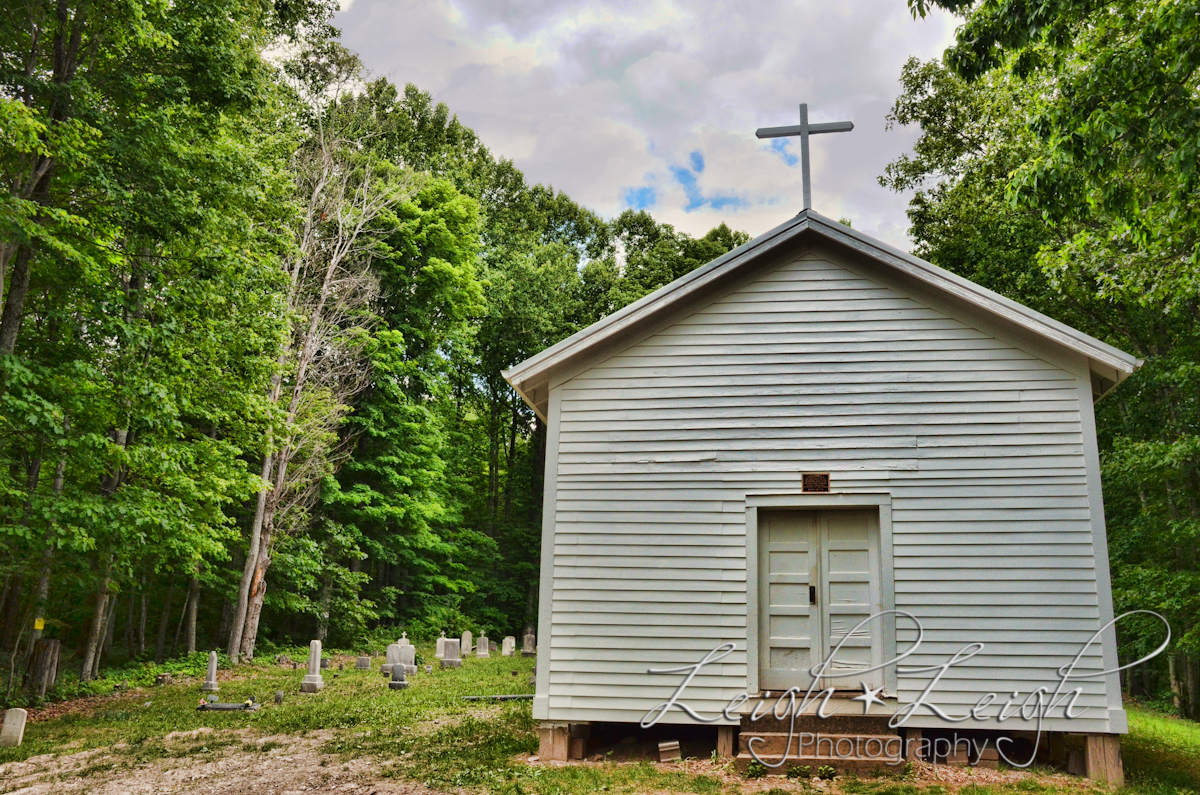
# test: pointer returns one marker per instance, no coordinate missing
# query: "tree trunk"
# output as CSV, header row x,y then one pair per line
x,y
42,596
1193,682
1176,684
238,628
110,624
531,606
106,644
226,619
164,621
10,615
193,605
94,636
141,625
258,584
127,634
43,667
14,304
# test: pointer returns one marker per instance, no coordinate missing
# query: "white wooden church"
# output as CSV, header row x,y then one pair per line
x,y
808,430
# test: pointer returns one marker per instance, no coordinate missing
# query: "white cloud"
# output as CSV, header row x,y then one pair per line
x,y
608,100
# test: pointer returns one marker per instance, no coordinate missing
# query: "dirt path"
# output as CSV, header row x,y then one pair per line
x,y
239,764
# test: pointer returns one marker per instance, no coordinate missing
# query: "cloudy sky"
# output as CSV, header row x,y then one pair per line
x,y
654,103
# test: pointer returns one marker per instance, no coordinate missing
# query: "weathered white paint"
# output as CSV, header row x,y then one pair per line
x,y
976,433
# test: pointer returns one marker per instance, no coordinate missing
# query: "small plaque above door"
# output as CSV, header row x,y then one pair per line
x,y
814,481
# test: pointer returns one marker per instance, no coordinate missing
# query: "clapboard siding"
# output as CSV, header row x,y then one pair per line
x,y
811,366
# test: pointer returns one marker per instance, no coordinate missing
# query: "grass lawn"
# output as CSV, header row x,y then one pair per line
x,y
429,735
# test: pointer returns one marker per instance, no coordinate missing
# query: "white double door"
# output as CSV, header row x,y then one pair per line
x,y
818,577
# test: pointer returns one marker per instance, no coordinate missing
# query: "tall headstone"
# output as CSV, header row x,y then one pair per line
x,y
313,683
407,657
399,681
484,649
393,657
451,658
510,646
13,730
465,643
529,645
210,681
440,651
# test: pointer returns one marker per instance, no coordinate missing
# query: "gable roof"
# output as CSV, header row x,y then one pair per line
x,y
531,378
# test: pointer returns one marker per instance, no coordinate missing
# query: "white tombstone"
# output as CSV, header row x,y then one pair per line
x,y
451,658
509,646
465,644
393,657
404,641
313,683
529,645
210,681
408,658
440,652
13,730
483,650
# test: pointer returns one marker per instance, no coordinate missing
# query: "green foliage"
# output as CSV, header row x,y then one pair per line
x,y
162,183
826,772
799,771
971,216
755,769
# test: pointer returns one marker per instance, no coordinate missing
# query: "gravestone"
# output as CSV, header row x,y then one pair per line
x,y
278,696
428,669
341,666
451,659
393,657
465,643
510,646
529,645
362,663
492,647
404,641
407,657
324,663
13,730
440,651
398,682
210,681
313,683
484,649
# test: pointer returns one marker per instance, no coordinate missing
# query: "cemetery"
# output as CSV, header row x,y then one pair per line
x,y
468,728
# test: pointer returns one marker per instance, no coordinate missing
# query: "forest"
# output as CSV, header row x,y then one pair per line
x,y
256,310
256,303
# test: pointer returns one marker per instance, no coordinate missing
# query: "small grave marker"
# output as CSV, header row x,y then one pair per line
x,y
12,732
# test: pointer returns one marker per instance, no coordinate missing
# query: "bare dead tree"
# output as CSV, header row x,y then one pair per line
x,y
343,191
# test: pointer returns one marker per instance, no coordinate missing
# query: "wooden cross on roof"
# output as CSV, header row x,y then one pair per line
x,y
804,129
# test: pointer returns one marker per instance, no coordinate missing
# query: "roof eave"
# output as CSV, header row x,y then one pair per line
x,y
531,377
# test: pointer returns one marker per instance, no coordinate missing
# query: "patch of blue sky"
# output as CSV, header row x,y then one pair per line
x,y
642,198
696,199
697,159
780,147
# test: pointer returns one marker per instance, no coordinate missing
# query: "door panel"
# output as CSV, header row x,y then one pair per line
x,y
849,587
831,555
788,625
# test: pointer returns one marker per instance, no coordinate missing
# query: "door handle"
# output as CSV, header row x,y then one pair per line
x,y
812,594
